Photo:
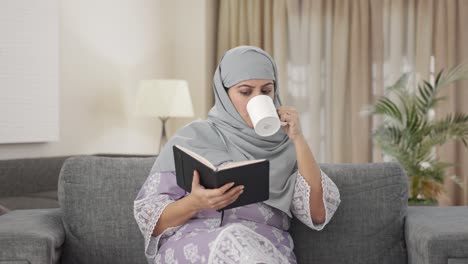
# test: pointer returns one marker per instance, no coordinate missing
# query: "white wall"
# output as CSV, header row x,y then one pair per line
x,y
29,110
106,47
191,50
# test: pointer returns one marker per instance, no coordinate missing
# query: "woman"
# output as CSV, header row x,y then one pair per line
x,y
181,227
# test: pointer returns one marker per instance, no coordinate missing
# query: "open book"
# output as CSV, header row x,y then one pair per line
x,y
253,174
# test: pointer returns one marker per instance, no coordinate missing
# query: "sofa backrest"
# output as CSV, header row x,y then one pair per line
x,y
29,175
368,226
96,196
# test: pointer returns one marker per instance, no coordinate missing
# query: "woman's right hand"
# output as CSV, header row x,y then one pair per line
x,y
218,198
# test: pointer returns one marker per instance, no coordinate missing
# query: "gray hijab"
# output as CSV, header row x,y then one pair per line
x,y
225,136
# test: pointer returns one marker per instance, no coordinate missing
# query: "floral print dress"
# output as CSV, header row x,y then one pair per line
x,y
255,233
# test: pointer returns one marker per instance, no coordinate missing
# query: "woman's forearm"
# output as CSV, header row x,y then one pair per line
x,y
175,214
310,170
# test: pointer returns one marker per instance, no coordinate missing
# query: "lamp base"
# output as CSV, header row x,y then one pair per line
x,y
163,139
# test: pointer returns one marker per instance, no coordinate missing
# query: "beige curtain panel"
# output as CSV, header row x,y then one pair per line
x,y
415,31
261,23
450,47
336,56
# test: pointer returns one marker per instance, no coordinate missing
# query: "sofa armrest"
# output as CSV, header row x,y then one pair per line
x,y
437,234
31,236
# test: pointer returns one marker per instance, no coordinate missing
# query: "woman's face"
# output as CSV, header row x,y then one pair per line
x,y
241,93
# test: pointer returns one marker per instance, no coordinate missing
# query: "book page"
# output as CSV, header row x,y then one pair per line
x,y
198,157
240,163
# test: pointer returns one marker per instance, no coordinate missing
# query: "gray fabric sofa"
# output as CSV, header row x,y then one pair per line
x,y
95,224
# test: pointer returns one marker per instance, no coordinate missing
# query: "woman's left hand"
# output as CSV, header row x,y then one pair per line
x,y
290,115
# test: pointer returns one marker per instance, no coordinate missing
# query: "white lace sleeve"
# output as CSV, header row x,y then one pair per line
x,y
149,205
300,204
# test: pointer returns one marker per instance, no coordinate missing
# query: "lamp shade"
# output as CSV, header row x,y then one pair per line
x,y
164,98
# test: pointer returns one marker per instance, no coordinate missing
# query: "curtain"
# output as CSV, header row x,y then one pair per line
x,y
261,23
449,41
343,54
425,37
336,56
330,76
312,44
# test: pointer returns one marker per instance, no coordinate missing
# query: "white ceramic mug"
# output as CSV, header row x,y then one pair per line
x,y
262,112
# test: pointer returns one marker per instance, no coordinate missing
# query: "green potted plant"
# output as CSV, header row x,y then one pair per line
x,y
409,132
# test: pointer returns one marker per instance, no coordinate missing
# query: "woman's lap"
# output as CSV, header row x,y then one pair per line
x,y
233,243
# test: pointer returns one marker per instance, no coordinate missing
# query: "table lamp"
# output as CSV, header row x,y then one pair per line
x,y
164,99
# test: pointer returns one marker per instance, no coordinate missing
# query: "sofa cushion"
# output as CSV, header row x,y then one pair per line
x,y
28,202
96,195
31,236
46,195
437,234
369,223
